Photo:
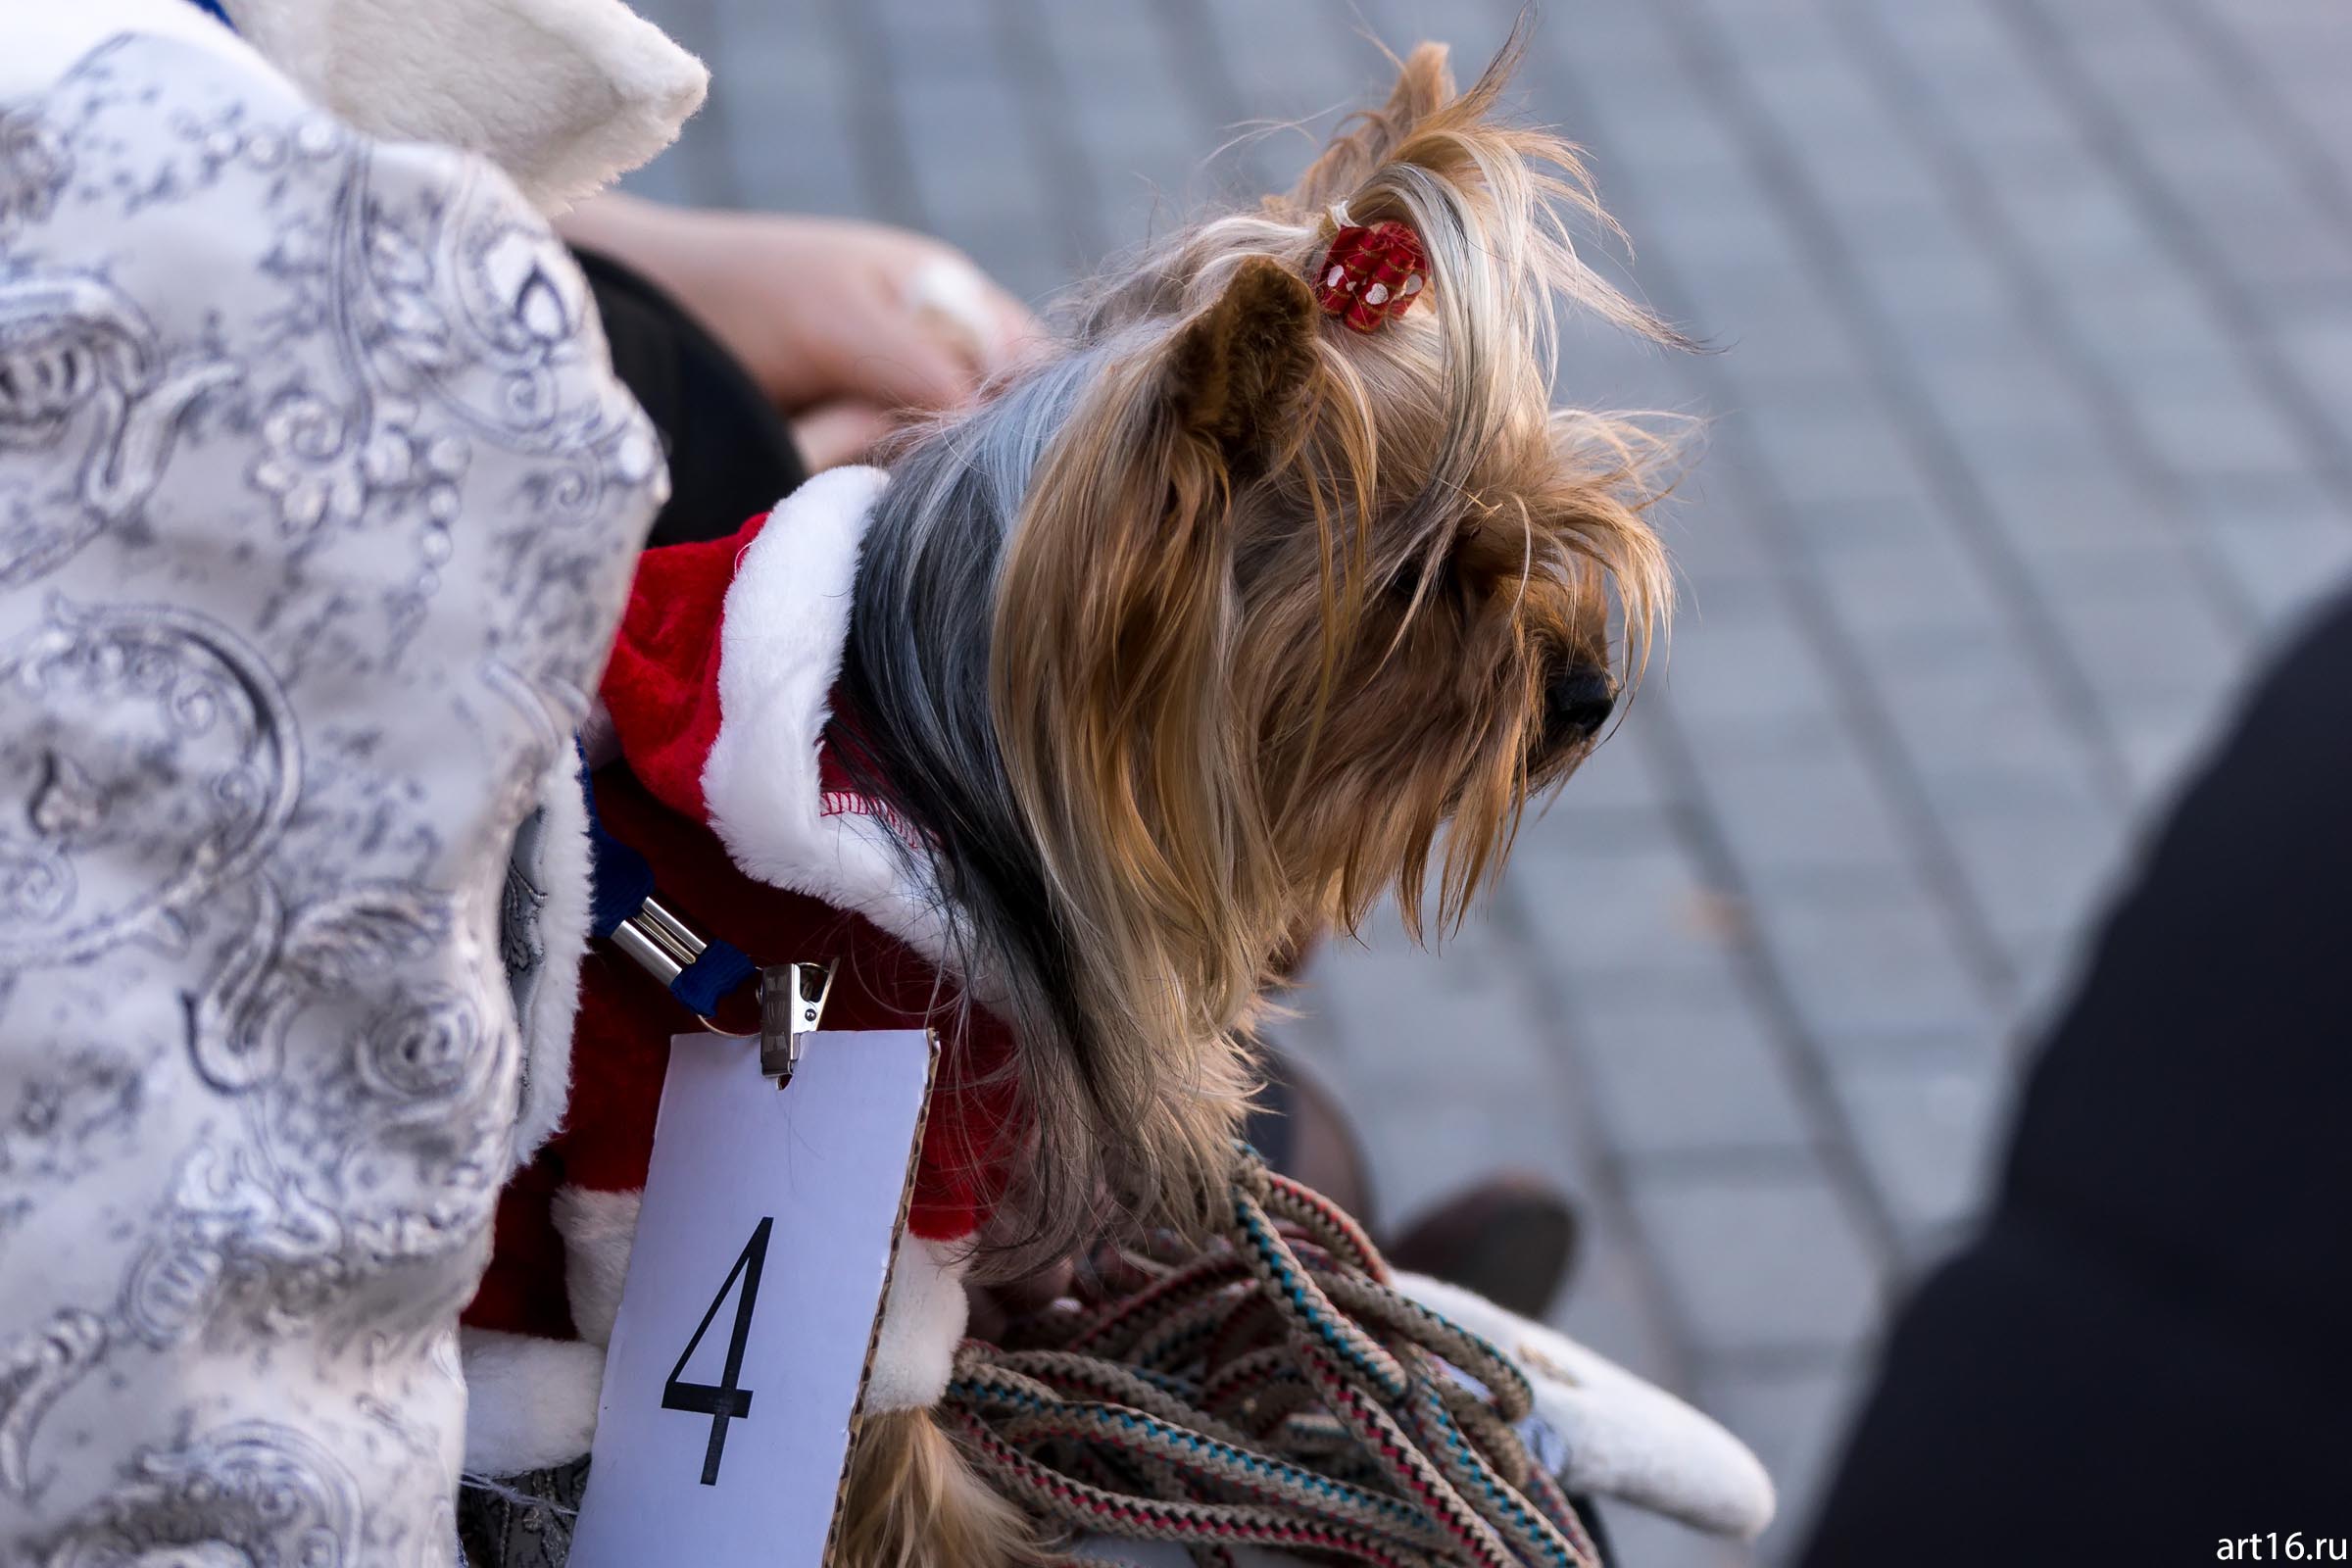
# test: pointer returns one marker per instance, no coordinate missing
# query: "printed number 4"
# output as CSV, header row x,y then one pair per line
x,y
722,1402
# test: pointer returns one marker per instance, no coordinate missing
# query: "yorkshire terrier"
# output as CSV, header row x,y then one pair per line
x,y
1280,586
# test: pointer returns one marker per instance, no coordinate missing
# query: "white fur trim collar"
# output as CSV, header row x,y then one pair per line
x,y
781,632
551,856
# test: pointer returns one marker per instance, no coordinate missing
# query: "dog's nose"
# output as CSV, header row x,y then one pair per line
x,y
1580,701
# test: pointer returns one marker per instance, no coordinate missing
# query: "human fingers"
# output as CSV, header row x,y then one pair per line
x,y
838,432
899,360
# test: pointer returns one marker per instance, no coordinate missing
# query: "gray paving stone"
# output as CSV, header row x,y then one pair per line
x,y
819,178
1632,905
2286,567
2066,503
1831,526
1931,267
971,157
1992,394
2164,742
1689,1080
2318,344
1906,587
1926,1120
2014,766
1759,1259
2112,310
1390,1011
1845,448
2068,218
1613,1302
1980,723
2145,645
1652,1541
1749,678
1815,814
1292,61
2036,872
1795,1417
1777,325
1870,963
2220,428
1616,778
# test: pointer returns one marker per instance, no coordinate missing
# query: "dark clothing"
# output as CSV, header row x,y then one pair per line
x,y
731,455
2146,1353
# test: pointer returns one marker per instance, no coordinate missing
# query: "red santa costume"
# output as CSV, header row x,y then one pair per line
x,y
719,692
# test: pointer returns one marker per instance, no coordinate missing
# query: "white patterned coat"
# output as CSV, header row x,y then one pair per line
x,y
318,500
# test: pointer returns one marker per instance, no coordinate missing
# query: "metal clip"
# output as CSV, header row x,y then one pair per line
x,y
792,1004
659,941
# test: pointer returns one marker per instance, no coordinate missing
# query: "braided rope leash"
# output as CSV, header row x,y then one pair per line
x,y
1274,1390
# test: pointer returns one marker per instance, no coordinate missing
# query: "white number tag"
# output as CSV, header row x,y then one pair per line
x,y
755,1289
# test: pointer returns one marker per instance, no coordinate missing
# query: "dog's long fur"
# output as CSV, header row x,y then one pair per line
x,y
1190,640
1194,639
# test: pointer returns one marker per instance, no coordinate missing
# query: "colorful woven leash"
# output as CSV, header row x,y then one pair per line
x,y
1273,1390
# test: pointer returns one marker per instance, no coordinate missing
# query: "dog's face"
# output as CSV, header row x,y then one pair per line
x,y
1320,598
1475,669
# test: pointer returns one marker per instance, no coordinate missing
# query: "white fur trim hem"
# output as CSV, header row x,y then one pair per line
x,y
598,1231
1625,1438
922,1318
786,618
922,1323
529,1402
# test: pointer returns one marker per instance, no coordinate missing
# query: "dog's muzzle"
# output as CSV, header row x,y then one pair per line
x,y
1578,703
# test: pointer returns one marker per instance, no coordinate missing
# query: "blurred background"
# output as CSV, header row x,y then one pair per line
x,y
2031,430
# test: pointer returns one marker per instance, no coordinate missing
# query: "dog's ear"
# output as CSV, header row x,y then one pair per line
x,y
1115,620
1370,137
1234,370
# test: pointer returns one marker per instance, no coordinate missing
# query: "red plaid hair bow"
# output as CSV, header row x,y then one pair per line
x,y
1371,273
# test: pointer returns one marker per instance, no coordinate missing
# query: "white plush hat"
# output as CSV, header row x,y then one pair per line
x,y
565,95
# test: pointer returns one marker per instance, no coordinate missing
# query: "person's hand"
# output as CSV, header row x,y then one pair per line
x,y
848,327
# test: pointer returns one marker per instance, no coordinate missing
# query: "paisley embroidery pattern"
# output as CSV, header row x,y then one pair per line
x,y
254,1492
81,370
110,690
35,1370
318,502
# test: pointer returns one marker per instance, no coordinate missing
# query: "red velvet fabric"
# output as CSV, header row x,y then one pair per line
x,y
662,683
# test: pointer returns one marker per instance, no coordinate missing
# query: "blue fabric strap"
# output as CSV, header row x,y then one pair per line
x,y
712,978
621,878
622,881
211,7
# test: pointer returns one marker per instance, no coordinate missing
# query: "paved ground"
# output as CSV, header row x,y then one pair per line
x,y
2032,428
